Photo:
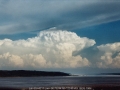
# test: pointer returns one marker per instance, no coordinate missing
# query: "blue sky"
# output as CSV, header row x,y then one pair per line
x,y
77,36
103,33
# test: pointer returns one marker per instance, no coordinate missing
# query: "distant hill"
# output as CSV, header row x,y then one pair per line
x,y
28,73
109,74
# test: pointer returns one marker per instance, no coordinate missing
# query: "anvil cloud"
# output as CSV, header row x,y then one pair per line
x,y
17,16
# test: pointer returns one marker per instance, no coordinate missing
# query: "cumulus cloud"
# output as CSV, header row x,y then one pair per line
x,y
111,55
114,47
8,59
51,48
18,16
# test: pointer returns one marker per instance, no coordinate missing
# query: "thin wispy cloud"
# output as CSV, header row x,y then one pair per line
x,y
24,16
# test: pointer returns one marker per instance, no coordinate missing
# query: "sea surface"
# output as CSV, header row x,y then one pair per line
x,y
26,82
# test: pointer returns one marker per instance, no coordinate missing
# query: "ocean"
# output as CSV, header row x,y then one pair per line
x,y
26,82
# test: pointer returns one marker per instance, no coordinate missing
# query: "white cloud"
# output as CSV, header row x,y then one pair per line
x,y
114,47
8,60
51,48
111,55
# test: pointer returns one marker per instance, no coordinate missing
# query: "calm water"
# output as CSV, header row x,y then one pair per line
x,y
57,81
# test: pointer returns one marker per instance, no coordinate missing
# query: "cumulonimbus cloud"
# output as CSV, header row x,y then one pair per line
x,y
111,55
50,48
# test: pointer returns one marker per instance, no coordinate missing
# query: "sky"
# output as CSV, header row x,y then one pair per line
x,y
73,36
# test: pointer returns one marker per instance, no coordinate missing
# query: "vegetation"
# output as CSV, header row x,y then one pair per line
x,y
28,73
